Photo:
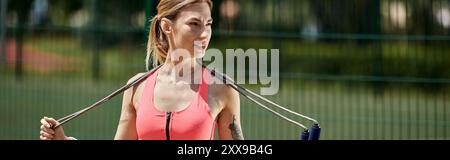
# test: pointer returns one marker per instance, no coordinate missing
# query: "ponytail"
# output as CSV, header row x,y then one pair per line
x,y
157,45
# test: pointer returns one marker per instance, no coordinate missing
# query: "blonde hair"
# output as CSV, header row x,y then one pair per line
x,y
157,45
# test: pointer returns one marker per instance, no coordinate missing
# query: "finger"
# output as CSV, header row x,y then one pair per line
x,y
48,130
49,136
46,133
43,138
51,121
45,123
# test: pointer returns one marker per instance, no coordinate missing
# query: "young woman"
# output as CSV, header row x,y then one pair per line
x,y
163,107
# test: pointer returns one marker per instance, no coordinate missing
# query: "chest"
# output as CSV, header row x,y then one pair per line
x,y
174,97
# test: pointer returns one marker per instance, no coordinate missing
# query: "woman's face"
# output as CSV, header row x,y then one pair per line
x,y
192,29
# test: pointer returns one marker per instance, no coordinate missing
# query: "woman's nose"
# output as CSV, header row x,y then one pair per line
x,y
205,33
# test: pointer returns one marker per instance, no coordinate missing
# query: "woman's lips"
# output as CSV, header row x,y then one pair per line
x,y
202,47
199,44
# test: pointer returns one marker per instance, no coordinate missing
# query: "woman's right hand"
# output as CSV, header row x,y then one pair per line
x,y
47,133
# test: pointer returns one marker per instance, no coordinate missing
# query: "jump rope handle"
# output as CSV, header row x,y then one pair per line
x,y
311,134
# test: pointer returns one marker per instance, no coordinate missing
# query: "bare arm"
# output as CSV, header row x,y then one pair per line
x,y
127,124
229,122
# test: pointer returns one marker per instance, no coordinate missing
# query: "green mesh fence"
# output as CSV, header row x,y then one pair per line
x,y
364,69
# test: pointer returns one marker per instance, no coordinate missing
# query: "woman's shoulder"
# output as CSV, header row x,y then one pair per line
x,y
223,91
134,92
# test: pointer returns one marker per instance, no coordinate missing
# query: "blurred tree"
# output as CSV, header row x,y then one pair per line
x,y
113,16
423,21
357,16
22,8
347,16
110,24
61,10
3,8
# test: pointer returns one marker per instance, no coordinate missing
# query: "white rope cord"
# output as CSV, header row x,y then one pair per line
x,y
270,110
227,80
107,98
230,81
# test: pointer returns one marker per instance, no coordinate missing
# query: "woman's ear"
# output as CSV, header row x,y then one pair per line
x,y
166,26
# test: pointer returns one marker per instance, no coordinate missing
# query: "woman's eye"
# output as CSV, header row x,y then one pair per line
x,y
208,24
193,23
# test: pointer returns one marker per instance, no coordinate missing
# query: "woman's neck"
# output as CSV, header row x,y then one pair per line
x,y
185,70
